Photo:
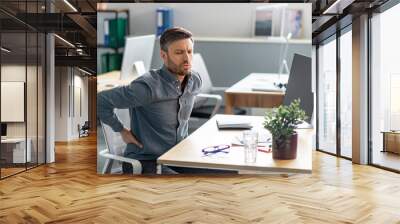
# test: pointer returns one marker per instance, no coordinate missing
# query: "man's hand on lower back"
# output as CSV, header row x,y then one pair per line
x,y
129,138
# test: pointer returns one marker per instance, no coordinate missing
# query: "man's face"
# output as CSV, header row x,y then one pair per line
x,y
178,58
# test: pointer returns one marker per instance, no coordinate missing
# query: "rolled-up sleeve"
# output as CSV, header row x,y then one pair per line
x,y
137,94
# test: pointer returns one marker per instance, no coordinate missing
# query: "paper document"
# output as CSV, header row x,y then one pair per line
x,y
266,87
304,125
233,123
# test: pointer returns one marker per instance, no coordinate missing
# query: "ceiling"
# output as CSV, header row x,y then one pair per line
x,y
75,21
72,20
331,15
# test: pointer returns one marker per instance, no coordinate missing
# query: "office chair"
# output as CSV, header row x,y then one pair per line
x,y
116,146
201,108
299,85
84,130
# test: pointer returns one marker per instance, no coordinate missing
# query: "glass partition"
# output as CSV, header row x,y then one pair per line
x,y
22,76
385,89
327,96
346,93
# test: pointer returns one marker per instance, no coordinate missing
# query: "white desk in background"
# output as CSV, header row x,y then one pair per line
x,y
18,149
242,94
111,80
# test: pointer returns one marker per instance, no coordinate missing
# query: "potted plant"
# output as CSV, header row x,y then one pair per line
x,y
281,122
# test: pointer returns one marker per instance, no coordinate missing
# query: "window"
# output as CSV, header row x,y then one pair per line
x,y
385,88
327,96
346,93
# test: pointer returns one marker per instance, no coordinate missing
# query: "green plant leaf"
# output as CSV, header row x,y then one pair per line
x,y
282,121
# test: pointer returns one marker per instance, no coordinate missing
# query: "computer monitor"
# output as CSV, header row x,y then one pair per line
x,y
138,52
299,85
3,130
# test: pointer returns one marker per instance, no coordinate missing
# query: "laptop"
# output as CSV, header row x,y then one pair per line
x,y
3,131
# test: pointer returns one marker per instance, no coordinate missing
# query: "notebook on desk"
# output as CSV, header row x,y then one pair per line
x,y
233,123
266,87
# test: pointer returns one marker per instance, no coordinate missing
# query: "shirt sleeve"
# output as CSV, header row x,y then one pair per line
x,y
137,94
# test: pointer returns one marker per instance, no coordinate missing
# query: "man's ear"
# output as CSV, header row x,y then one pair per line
x,y
163,55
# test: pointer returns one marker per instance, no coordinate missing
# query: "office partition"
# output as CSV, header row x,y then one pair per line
x,y
345,92
22,77
327,96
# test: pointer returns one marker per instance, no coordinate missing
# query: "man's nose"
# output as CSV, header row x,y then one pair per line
x,y
186,56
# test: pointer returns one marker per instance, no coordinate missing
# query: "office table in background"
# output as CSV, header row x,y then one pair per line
x,y
188,152
242,95
391,141
111,80
13,150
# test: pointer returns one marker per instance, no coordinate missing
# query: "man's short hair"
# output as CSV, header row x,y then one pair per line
x,y
173,34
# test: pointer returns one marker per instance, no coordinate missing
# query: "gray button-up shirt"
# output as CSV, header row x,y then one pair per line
x,y
158,107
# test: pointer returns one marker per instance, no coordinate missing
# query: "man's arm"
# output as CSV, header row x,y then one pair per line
x,y
137,94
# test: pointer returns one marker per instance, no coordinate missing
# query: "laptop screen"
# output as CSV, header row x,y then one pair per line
x,y
299,84
3,129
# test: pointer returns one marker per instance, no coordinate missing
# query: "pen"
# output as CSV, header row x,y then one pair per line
x,y
265,150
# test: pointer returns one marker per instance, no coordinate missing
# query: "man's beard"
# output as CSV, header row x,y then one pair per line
x,y
177,69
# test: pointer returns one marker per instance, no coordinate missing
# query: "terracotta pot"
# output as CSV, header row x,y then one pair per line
x,y
286,149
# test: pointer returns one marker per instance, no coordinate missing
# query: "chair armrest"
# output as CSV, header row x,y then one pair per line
x,y
136,165
216,97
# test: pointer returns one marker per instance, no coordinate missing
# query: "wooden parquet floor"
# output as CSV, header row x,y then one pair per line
x,y
70,191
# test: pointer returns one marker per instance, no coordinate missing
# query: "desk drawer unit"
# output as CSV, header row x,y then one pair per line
x,y
391,142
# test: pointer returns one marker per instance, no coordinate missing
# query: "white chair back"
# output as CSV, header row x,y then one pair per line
x,y
114,142
199,66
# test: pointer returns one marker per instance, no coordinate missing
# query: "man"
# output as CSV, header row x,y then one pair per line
x,y
160,102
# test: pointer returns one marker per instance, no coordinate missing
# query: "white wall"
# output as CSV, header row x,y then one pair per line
x,y
203,20
12,73
67,80
221,21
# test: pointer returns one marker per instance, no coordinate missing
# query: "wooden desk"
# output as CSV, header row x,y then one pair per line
x,y
242,95
188,152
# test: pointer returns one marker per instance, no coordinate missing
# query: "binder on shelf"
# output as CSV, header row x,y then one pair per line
x,y
106,33
117,32
104,63
111,62
115,61
164,19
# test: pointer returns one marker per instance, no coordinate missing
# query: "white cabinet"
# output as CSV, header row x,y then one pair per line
x,y
17,145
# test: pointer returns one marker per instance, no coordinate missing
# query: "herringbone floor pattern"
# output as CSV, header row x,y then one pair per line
x,y
70,191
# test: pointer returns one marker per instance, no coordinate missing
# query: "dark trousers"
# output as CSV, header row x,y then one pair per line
x,y
150,167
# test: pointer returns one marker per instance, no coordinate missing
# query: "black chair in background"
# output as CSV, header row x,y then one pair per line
x,y
84,130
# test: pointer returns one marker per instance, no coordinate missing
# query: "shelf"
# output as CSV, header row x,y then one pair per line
x,y
278,40
107,47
